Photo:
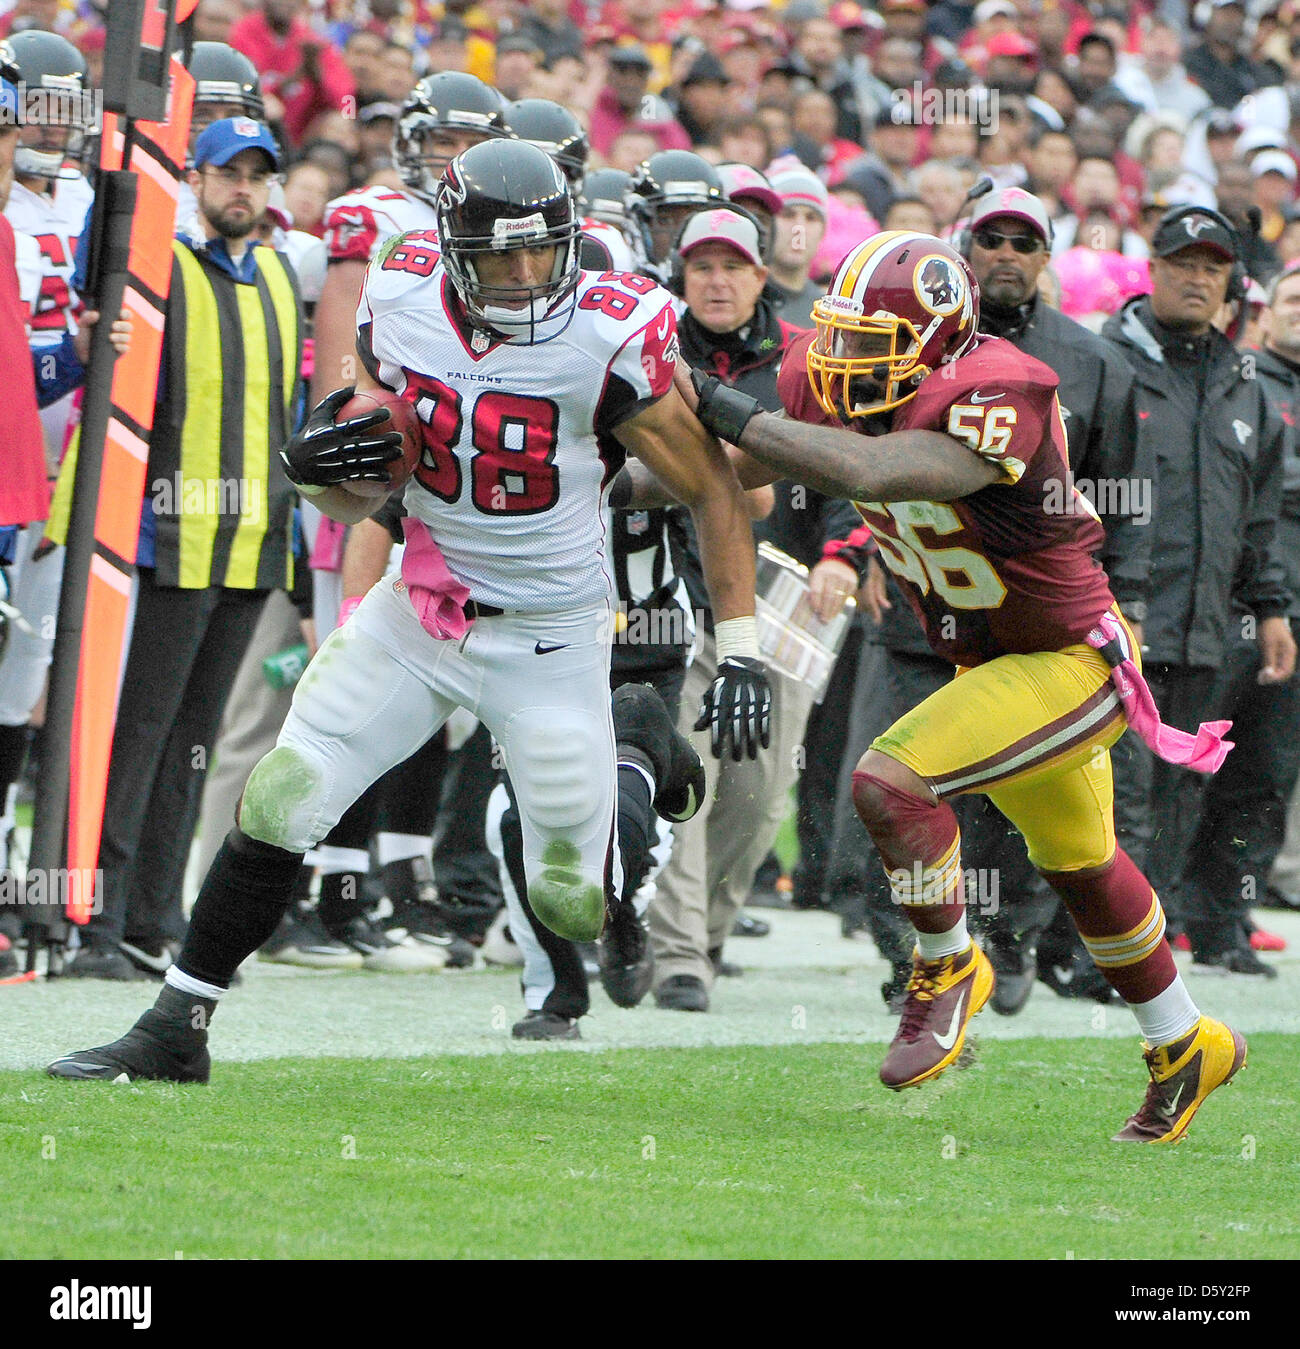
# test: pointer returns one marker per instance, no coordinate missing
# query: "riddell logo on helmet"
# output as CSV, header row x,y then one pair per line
x,y
529,226
841,304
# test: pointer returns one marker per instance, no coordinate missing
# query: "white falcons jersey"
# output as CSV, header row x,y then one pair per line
x,y
55,222
359,223
518,440
609,242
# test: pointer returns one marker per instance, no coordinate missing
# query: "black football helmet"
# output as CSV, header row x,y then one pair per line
x,y
554,129
503,195
450,101
51,64
603,196
224,76
664,193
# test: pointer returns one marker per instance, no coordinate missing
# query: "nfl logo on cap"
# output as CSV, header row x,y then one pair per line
x,y
245,126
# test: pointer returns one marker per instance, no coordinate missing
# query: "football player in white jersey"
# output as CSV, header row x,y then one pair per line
x,y
48,207
532,379
51,198
444,114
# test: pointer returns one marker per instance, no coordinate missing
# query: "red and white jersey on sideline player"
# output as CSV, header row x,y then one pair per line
x,y
518,454
615,252
359,223
54,221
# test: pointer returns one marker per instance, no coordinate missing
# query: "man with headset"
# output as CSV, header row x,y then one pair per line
x,y
1219,449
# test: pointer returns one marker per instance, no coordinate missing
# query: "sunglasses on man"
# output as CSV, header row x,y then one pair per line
x,y
1022,243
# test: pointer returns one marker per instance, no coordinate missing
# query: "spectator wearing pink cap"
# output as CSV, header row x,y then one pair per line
x,y
800,227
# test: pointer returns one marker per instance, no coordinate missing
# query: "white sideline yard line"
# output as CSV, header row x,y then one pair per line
x,y
804,984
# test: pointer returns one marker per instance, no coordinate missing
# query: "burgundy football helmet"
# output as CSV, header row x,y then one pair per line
x,y
900,305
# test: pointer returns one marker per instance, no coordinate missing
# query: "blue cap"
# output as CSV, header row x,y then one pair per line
x,y
220,142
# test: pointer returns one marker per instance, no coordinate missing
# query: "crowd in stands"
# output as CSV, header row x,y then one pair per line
x,y
850,119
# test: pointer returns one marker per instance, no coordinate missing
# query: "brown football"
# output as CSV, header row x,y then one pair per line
x,y
404,419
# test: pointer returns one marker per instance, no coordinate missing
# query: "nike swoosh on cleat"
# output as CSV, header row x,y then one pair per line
x,y
160,964
947,1041
540,650
1169,1111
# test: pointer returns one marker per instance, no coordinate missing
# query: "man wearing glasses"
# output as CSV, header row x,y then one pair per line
x,y
215,539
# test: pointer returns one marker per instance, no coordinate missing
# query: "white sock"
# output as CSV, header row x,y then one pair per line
x,y
1168,1016
643,770
186,983
936,945
398,847
331,860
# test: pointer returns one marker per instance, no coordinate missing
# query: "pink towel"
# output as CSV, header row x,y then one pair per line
x,y
327,551
438,597
1203,753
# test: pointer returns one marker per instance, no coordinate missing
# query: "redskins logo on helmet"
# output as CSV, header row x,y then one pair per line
x,y
900,305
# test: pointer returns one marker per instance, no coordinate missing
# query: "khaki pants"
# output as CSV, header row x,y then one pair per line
x,y
716,854
254,714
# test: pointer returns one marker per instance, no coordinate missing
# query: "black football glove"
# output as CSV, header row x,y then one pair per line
x,y
723,410
324,454
738,708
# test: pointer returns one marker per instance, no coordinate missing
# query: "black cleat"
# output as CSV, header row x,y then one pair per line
x,y
102,962
539,1025
627,964
1235,960
411,890
746,925
641,721
682,993
138,1055
1016,967
1078,978
724,969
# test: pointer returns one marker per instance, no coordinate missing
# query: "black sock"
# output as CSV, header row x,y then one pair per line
x,y
179,1016
244,895
13,750
637,831
340,898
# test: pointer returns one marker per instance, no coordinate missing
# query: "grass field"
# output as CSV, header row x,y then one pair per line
x,y
357,1115
788,1152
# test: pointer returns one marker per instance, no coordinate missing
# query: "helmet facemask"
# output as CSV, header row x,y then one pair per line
x,y
533,314
62,104
860,365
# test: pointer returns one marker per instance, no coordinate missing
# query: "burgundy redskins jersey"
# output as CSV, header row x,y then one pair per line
x,y
1009,568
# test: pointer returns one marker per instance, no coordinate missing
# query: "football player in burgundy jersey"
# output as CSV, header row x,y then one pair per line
x,y
953,447
531,379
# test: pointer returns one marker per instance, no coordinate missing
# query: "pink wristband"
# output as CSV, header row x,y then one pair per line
x,y
349,607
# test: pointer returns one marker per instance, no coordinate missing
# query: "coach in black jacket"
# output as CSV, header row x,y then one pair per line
x,y
1243,820
1219,450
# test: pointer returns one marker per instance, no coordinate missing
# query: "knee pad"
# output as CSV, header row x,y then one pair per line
x,y
561,765
903,827
283,797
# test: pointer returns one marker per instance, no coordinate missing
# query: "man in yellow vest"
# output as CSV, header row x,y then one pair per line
x,y
215,538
